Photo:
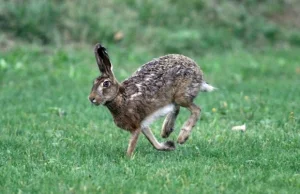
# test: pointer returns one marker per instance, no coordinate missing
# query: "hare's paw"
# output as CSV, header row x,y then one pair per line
x,y
166,132
168,146
183,136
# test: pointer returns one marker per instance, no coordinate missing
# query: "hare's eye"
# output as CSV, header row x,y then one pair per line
x,y
106,84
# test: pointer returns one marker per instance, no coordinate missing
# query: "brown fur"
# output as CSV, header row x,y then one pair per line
x,y
171,79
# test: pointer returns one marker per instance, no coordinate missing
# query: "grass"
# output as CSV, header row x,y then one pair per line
x,y
53,141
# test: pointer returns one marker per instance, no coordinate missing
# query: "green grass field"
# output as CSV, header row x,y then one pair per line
x,y
53,141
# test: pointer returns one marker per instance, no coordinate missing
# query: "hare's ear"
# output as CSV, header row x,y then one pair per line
x,y
102,59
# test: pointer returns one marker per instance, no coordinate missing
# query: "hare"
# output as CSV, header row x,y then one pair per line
x,y
160,87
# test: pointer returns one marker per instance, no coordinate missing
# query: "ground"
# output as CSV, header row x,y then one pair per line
x,y
53,141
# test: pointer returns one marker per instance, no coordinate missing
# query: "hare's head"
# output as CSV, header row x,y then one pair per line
x,y
105,87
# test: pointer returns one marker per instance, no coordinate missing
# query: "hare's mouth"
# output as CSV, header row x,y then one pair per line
x,y
95,102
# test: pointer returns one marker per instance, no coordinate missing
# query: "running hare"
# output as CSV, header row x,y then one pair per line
x,y
160,87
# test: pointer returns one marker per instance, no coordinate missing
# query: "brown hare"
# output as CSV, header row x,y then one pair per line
x,y
160,87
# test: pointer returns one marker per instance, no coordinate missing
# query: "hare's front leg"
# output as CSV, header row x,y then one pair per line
x,y
166,146
132,142
168,125
189,124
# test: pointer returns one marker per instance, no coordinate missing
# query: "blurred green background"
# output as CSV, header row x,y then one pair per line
x,y
169,26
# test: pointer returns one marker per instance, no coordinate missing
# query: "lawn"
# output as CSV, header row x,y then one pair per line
x,y
53,141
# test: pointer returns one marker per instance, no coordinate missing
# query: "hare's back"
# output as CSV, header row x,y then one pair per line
x,y
162,75
166,63
173,65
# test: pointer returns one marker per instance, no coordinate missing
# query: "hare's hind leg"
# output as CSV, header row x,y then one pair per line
x,y
189,124
132,142
168,125
166,146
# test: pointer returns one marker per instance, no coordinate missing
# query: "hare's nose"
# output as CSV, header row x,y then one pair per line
x,y
92,99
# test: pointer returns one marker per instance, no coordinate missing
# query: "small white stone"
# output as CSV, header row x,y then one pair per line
x,y
239,128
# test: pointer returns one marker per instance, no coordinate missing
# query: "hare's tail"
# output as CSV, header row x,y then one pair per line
x,y
205,87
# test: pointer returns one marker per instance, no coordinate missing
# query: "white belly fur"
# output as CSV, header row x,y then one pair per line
x,y
159,113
